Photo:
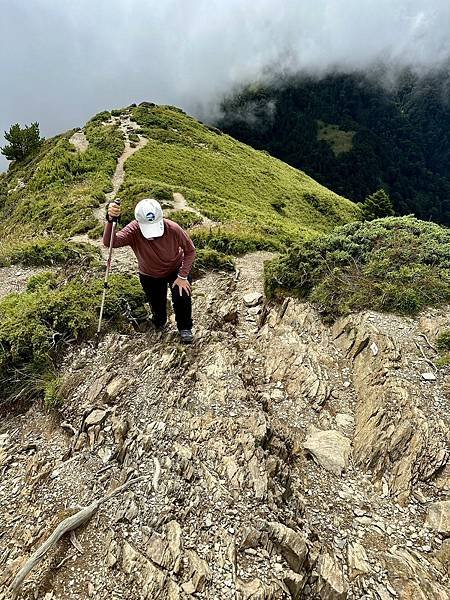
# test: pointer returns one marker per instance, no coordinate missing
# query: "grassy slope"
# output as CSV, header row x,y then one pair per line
x,y
51,196
228,181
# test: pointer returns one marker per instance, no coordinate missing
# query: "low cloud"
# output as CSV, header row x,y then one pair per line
x,y
63,61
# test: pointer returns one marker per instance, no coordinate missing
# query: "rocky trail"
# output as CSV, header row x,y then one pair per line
x,y
282,458
275,458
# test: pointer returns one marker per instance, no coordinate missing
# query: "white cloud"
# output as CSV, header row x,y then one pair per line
x,y
62,61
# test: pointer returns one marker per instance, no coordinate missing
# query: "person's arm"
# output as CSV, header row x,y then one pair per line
x,y
124,237
188,248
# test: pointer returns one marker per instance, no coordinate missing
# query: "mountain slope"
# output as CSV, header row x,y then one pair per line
x,y
354,135
227,181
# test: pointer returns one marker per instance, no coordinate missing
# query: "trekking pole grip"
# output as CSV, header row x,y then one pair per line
x,y
118,202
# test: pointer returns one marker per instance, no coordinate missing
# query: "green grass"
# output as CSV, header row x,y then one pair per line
x,y
50,250
339,140
443,344
228,181
207,260
60,186
395,264
36,325
185,218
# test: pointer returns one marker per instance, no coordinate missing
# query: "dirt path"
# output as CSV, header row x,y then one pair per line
x,y
180,203
124,260
127,126
14,279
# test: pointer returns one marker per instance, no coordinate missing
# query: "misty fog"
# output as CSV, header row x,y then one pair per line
x,y
64,61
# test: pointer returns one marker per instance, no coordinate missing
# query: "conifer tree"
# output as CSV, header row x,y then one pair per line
x,y
377,205
22,141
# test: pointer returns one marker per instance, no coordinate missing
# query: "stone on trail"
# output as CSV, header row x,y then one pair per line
x,y
438,517
330,449
344,420
331,584
253,299
357,560
429,376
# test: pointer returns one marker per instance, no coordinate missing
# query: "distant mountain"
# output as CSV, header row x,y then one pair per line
x,y
354,135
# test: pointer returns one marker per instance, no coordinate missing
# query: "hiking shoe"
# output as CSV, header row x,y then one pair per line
x,y
186,336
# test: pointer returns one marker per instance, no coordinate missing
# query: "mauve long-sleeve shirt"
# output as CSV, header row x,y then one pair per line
x,y
160,256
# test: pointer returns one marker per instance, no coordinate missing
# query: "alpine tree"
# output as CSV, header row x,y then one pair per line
x,y
377,206
22,141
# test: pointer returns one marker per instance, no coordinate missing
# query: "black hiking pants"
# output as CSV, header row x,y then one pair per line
x,y
155,289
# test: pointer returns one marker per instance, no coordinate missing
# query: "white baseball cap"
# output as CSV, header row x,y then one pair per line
x,y
149,215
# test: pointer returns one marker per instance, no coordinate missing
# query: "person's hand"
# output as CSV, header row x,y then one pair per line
x,y
183,286
114,210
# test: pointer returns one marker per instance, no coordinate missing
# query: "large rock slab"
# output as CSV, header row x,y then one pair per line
x,y
438,517
331,584
330,449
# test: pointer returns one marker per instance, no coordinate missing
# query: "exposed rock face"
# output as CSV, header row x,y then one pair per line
x,y
438,517
396,435
330,449
331,585
233,507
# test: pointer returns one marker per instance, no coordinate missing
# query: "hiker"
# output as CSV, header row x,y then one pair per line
x,y
165,255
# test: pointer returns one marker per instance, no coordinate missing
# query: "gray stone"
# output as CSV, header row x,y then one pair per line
x,y
253,299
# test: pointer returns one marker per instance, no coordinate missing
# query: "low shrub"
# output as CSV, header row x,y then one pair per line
x,y
443,344
104,115
443,341
46,251
393,264
233,241
185,218
207,260
36,324
45,280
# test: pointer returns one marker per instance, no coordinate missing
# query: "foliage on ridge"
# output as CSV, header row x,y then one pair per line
x,y
38,323
395,264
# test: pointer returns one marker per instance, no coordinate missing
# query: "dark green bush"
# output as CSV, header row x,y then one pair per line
x,y
23,141
377,205
185,218
45,280
101,116
231,241
394,264
208,259
443,341
46,251
36,324
161,194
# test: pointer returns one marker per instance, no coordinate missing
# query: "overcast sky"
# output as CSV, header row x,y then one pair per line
x,y
64,60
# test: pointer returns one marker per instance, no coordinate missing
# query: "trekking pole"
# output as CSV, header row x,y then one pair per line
x,y
115,220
